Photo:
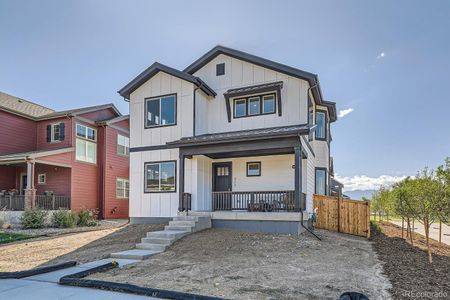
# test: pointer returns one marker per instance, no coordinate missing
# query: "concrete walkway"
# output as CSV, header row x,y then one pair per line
x,y
434,230
45,286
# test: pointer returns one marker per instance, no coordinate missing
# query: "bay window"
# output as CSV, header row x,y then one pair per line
x,y
321,122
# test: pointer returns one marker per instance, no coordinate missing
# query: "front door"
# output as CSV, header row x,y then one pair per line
x,y
222,177
23,183
222,182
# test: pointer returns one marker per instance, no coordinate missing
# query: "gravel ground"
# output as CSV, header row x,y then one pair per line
x,y
50,231
242,265
407,266
81,247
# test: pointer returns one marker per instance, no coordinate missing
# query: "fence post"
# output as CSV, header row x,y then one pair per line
x,y
339,213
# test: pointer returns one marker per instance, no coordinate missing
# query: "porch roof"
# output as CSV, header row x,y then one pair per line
x,y
243,135
23,156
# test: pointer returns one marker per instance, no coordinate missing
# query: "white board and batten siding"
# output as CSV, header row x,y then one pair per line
x,y
238,74
157,204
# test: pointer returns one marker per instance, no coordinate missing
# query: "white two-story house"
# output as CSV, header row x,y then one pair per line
x,y
234,136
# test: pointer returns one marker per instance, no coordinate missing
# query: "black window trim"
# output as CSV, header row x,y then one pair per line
x,y
159,162
325,125
261,104
315,178
253,162
159,97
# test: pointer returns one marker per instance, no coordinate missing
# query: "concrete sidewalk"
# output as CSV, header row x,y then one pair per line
x,y
45,286
434,230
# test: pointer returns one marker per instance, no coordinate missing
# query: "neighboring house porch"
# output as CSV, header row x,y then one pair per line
x,y
35,179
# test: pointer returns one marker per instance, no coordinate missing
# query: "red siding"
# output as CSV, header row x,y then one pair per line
x,y
19,132
116,166
63,158
84,193
42,143
58,180
100,115
125,124
7,178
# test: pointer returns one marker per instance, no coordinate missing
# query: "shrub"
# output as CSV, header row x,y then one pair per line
x,y
33,218
87,217
64,219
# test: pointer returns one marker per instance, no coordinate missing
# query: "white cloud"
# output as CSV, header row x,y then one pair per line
x,y
344,112
363,182
381,55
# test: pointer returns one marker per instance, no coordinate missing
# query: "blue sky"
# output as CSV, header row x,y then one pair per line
x,y
385,61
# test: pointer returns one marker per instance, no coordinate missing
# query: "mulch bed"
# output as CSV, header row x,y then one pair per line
x,y
407,266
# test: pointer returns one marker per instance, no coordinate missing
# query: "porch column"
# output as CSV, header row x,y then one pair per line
x,y
298,177
181,181
30,192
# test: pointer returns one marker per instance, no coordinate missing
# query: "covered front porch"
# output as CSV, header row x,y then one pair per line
x,y
28,181
252,175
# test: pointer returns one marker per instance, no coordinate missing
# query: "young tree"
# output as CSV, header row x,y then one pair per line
x,y
428,193
443,175
403,203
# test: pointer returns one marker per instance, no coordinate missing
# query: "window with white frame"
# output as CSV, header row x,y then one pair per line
x,y
122,188
160,177
42,178
56,132
86,144
160,111
123,145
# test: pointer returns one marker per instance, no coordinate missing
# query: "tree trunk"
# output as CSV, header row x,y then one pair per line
x,y
427,237
403,225
409,231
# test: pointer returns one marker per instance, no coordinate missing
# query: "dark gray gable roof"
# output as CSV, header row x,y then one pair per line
x,y
233,136
79,111
269,64
157,67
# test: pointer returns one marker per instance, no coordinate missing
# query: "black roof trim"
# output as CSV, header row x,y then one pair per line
x,y
243,135
269,64
248,90
153,70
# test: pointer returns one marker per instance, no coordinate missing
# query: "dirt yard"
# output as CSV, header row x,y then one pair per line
x,y
407,266
81,247
240,265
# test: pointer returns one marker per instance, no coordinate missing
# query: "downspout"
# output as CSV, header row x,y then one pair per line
x,y
301,208
194,105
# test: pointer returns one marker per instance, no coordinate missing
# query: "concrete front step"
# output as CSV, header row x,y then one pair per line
x,y
151,246
168,234
187,218
182,223
157,240
135,254
179,228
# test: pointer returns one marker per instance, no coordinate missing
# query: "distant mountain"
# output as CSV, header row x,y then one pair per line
x,y
358,194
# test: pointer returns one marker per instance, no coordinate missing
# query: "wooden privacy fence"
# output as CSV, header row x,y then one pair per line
x,y
343,215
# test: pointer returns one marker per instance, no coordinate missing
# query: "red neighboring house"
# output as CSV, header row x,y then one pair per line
x,y
69,159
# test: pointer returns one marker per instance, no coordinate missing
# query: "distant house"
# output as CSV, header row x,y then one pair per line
x,y
234,136
68,159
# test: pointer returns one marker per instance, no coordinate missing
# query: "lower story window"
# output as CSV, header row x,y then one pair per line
x,y
42,178
122,188
254,169
321,181
160,176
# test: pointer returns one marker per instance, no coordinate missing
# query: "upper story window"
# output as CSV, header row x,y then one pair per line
x,y
123,145
55,132
321,122
86,144
220,69
160,111
254,105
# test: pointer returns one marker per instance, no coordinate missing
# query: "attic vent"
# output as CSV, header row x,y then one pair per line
x,y
20,101
220,69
